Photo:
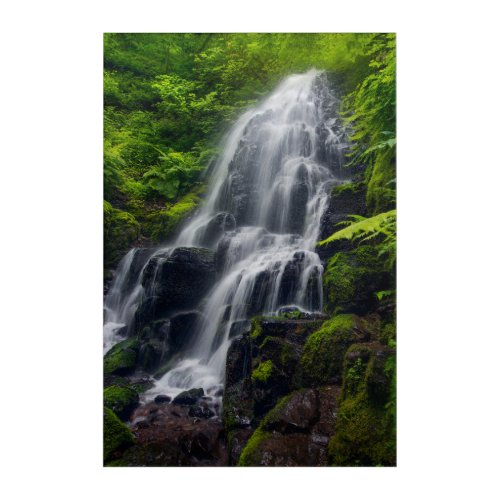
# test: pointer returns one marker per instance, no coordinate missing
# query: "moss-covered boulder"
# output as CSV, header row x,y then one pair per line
x,y
365,431
117,436
295,432
121,231
352,278
121,399
121,359
324,351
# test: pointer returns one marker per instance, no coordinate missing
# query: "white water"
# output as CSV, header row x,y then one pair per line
x,y
269,177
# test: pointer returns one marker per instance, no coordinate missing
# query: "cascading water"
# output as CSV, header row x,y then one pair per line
x,y
262,217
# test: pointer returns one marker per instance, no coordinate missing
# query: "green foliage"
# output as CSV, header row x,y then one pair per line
x,y
371,111
174,174
117,436
263,371
121,229
380,227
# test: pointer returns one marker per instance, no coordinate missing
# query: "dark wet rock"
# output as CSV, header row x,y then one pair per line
x,y
170,437
217,226
239,328
298,414
182,327
236,441
189,397
175,282
199,411
237,405
162,398
296,431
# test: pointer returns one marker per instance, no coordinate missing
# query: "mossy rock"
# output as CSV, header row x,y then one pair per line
x,y
117,436
121,358
121,231
251,454
324,351
121,399
352,278
380,195
365,430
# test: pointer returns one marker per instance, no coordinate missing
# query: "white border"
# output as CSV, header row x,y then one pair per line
x,y
51,215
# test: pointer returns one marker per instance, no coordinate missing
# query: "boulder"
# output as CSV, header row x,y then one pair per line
x,y
121,358
296,431
122,400
162,398
351,279
176,282
187,398
117,436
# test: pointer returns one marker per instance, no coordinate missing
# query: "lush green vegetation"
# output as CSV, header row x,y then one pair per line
x,y
168,98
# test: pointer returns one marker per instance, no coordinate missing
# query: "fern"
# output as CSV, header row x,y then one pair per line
x,y
364,229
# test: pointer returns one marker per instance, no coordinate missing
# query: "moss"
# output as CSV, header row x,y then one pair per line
x,y
380,195
324,350
263,371
163,223
121,231
121,358
250,455
117,436
256,329
347,188
363,436
352,278
365,431
121,399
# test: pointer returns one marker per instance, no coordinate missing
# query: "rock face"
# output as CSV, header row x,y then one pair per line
x,y
217,226
176,282
345,200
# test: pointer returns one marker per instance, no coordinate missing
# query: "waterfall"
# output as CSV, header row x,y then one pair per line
x,y
269,189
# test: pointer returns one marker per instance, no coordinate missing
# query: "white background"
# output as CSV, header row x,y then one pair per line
x,y
51,280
